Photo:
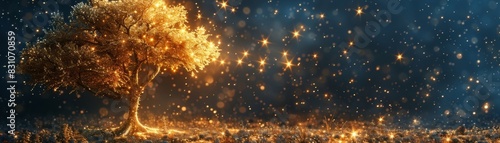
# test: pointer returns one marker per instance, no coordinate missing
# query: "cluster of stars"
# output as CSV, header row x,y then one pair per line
x,y
425,59
323,27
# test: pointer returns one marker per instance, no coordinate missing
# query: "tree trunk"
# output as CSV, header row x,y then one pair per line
x,y
133,117
132,125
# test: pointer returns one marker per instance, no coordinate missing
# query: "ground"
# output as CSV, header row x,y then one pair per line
x,y
85,129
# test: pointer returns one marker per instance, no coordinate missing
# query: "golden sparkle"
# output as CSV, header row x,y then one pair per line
x,y
399,57
359,11
486,106
223,5
354,134
265,42
158,3
296,34
288,65
240,61
262,62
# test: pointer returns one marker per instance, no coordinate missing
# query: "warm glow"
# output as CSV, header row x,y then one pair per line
x,y
288,65
354,134
399,57
415,121
296,34
262,62
486,106
359,11
240,61
223,5
147,39
264,42
158,3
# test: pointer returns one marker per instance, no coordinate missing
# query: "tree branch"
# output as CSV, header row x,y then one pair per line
x,y
110,94
152,76
136,72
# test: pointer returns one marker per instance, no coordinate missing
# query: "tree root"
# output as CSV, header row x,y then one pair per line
x,y
135,129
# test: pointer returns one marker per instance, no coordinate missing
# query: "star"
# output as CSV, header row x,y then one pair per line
x,y
265,42
240,61
399,57
288,65
245,53
296,34
262,62
359,11
223,5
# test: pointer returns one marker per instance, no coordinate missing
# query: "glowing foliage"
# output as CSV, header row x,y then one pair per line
x,y
112,48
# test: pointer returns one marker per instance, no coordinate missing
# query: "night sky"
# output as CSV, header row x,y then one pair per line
x,y
408,60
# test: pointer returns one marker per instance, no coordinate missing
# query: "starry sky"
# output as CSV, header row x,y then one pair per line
x,y
407,60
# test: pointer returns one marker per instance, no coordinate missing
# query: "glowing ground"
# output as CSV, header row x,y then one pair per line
x,y
206,130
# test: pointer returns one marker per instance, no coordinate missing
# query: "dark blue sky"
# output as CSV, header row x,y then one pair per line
x,y
432,60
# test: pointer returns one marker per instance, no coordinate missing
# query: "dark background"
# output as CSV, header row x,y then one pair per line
x,y
446,46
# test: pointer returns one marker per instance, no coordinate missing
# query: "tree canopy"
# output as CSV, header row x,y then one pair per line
x,y
114,47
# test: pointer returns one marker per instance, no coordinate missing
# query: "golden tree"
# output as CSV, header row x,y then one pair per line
x,y
114,49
